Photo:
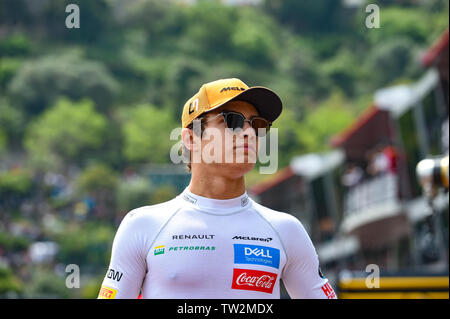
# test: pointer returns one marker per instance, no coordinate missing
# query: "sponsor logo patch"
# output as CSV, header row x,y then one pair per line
x,y
159,250
183,237
184,248
114,275
258,255
252,238
248,279
107,293
189,199
328,291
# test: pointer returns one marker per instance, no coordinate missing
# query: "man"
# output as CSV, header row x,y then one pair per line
x,y
213,241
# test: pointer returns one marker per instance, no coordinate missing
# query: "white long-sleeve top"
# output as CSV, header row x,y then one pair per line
x,y
194,247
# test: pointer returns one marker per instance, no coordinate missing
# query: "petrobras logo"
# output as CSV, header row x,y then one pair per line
x,y
256,280
258,255
159,250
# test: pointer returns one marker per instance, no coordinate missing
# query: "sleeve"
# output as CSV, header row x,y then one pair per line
x,y
127,268
301,275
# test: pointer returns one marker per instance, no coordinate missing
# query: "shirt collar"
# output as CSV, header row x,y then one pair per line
x,y
216,206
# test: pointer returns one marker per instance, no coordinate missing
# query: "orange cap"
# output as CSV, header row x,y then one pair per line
x,y
213,95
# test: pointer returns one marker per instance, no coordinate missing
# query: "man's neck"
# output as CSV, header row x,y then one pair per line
x,y
216,187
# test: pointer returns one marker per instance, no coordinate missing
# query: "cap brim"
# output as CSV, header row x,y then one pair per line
x,y
266,102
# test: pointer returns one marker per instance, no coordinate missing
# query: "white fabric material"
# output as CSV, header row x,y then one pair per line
x,y
197,247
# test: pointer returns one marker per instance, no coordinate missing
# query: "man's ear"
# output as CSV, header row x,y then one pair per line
x,y
187,136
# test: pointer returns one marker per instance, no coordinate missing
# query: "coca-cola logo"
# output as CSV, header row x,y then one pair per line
x,y
248,279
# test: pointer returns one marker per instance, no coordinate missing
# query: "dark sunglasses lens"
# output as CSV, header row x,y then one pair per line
x,y
260,125
234,121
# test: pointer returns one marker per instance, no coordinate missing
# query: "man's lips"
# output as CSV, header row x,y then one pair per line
x,y
246,147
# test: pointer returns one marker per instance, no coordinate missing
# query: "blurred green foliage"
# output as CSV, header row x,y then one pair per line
x,y
96,178
46,284
86,245
92,102
65,132
39,83
3,141
133,193
9,284
11,243
139,61
146,132
15,182
163,194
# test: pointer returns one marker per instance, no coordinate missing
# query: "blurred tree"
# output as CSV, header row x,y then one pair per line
x,y
12,123
14,13
394,58
163,193
17,44
64,133
10,285
133,193
49,17
45,283
41,82
99,183
320,16
289,143
91,288
181,82
15,186
161,21
255,38
146,132
3,141
209,26
8,68
399,22
12,243
320,124
343,70
303,66
87,245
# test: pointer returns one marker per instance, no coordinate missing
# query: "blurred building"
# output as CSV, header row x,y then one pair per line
x,y
361,203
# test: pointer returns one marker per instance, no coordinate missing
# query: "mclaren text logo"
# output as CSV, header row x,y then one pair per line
x,y
232,88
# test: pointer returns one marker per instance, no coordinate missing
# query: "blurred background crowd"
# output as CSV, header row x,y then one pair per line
x,y
86,116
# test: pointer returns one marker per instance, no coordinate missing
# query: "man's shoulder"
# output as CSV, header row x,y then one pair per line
x,y
153,213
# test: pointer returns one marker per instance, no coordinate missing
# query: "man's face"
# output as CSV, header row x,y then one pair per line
x,y
226,151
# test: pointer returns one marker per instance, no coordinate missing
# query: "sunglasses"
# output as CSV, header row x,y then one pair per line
x,y
234,120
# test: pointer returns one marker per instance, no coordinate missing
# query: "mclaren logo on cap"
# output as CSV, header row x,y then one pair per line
x,y
233,88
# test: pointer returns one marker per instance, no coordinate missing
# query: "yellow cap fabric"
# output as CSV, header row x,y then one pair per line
x,y
214,94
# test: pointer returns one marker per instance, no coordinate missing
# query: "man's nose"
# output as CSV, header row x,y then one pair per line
x,y
247,130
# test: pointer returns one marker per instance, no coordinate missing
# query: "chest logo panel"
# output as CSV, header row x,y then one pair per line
x,y
248,279
258,255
